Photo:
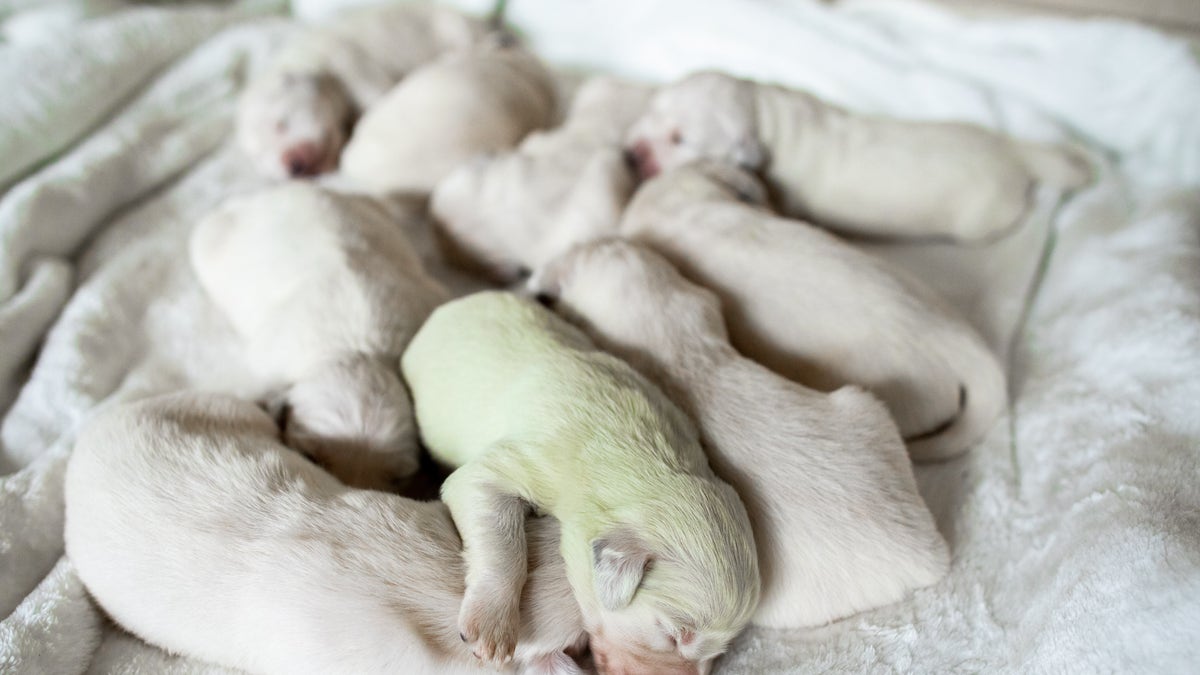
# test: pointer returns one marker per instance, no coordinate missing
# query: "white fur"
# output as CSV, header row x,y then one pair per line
x,y
325,291
816,310
515,211
447,112
859,173
838,522
194,528
295,116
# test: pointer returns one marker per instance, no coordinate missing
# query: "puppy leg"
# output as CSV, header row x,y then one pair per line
x,y
490,517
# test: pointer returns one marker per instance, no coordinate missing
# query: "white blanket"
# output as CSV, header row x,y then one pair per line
x,y
1075,526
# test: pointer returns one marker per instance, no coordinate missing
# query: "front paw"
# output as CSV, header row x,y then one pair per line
x,y
490,623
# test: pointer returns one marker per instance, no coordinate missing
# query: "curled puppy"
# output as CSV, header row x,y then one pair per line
x,y
819,312
447,112
858,173
326,291
838,522
658,550
295,116
512,212
197,530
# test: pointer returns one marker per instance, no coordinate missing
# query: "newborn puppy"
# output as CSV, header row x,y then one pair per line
x,y
294,117
838,522
326,291
858,173
445,113
658,550
812,308
512,212
198,531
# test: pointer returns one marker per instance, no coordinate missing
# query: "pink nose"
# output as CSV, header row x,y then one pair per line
x,y
641,157
302,160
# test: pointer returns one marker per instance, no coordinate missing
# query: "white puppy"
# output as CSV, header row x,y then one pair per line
x,y
326,291
838,522
814,309
294,117
447,112
859,173
197,530
513,212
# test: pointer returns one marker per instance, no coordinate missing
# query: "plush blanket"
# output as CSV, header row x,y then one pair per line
x,y
1075,525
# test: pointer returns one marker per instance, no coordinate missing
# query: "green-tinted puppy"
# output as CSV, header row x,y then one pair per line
x,y
659,552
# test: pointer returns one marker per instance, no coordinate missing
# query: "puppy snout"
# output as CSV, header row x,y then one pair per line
x,y
640,158
302,160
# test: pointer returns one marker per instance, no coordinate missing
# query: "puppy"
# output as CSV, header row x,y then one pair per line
x,y
819,312
658,550
447,112
838,522
294,117
325,291
858,173
509,213
197,530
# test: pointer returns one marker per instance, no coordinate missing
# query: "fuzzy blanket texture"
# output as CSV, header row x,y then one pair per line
x,y
1075,526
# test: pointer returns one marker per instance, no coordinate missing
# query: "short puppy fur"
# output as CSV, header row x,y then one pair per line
x,y
814,309
510,213
294,117
198,531
658,550
325,291
838,522
461,105
857,173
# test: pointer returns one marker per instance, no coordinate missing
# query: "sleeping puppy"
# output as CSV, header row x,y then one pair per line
x,y
513,212
325,291
839,524
294,117
447,112
197,530
658,551
812,308
857,173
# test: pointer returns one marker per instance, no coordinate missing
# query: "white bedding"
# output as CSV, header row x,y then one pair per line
x,y
1075,526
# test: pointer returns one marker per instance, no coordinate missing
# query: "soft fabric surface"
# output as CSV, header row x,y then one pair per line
x,y
1075,526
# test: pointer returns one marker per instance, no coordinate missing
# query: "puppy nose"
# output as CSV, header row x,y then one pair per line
x,y
302,160
640,158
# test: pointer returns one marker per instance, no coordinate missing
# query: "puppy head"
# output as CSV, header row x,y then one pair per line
x,y
707,115
696,182
294,124
354,418
479,217
673,591
630,298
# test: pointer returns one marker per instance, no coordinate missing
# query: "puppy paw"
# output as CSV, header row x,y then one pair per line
x,y
489,622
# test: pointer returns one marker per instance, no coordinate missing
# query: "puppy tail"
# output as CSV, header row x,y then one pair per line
x,y
983,396
1062,166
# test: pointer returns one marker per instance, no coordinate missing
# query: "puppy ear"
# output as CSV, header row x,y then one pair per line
x,y
749,153
619,563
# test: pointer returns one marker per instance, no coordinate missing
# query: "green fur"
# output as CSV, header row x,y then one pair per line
x,y
579,434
